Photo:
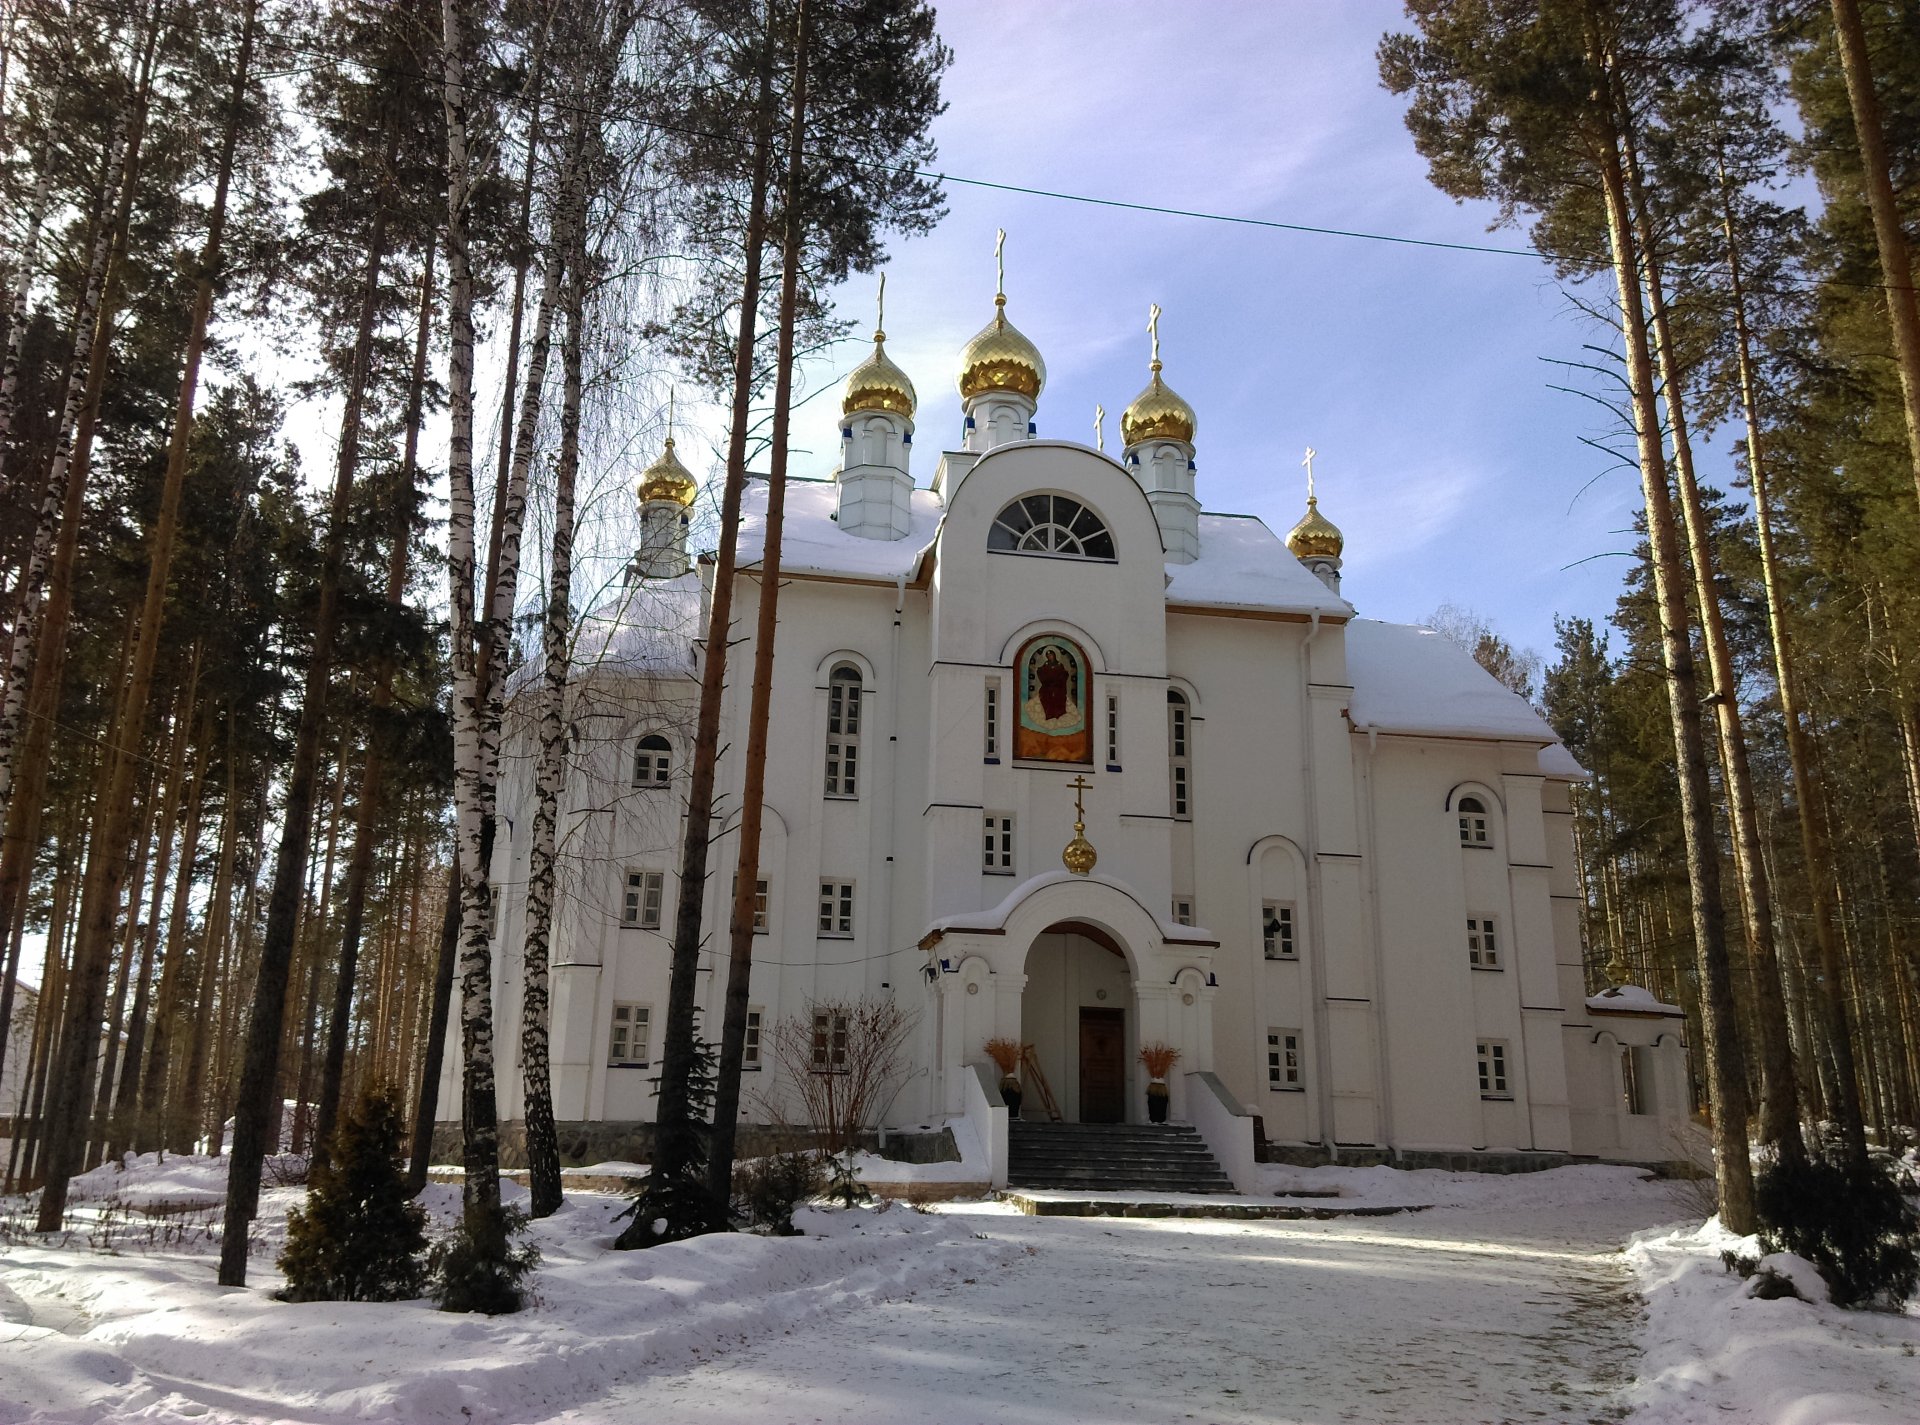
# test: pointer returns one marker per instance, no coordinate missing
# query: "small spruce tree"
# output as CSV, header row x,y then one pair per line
x,y
674,1205
359,1238
480,1266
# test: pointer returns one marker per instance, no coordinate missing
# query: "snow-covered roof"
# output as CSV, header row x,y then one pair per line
x,y
1557,762
1408,679
1631,999
1245,565
648,627
811,543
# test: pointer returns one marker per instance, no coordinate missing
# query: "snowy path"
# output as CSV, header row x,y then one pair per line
x,y
1522,1312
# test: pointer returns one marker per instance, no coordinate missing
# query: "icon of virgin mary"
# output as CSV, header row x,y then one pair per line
x,y
1053,703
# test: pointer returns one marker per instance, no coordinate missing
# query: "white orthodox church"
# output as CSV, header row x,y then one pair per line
x,y
1327,859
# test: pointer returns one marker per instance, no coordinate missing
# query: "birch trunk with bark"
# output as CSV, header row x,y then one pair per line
x,y
17,318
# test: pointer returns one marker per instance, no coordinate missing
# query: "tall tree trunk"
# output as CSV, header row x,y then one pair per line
x,y
1803,752
373,765
173,976
426,1101
1719,1017
1876,171
480,1110
543,1147
78,1044
182,1119
675,1138
259,1079
733,1035
18,318
1780,1095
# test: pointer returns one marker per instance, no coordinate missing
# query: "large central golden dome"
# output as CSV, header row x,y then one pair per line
x,y
878,385
1157,413
1001,359
667,479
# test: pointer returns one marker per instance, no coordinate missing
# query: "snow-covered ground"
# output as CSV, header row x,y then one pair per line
x,y
1508,1298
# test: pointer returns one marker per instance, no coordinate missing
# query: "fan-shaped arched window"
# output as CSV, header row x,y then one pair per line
x,y
652,761
1050,524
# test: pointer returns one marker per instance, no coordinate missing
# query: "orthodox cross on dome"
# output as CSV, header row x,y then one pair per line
x,y
1099,427
669,415
1000,265
1079,856
1308,462
880,311
1153,330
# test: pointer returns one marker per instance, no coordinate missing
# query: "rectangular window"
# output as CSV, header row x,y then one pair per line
x,y
494,896
1482,953
829,1042
646,893
997,844
1283,1059
1276,931
843,733
843,767
1183,910
992,742
750,1052
1113,732
627,1046
836,908
759,901
1493,1068
1179,766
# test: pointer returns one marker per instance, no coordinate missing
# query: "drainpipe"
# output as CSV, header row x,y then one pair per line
x,y
1316,987
884,830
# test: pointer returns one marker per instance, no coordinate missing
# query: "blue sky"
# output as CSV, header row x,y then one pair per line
x,y
1421,376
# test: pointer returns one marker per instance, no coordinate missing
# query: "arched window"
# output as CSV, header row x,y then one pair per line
x,y
1473,822
843,731
1179,746
652,761
1050,524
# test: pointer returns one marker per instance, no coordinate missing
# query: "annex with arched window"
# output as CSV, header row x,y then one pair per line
x,y
652,761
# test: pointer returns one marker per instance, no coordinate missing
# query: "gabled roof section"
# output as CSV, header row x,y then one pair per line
x,y
1244,566
811,543
1413,680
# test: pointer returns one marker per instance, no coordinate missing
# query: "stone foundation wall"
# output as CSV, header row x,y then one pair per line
x,y
582,1144
1316,1155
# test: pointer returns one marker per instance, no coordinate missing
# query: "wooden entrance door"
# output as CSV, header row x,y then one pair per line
x,y
1103,1066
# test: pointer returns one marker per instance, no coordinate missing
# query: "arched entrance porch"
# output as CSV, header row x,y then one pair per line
x,y
1077,1011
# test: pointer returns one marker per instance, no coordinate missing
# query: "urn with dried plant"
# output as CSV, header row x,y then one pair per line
x,y
1159,1059
1006,1055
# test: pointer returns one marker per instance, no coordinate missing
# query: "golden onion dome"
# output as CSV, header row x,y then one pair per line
x,y
1001,359
1316,536
1157,413
667,479
878,385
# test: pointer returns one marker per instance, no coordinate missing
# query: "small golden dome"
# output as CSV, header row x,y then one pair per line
x,y
1001,359
1157,413
1079,857
878,385
1316,536
667,479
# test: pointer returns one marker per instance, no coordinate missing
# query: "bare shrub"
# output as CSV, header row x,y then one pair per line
x,y
847,1059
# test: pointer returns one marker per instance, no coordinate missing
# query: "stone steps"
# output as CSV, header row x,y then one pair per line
x,y
1116,1157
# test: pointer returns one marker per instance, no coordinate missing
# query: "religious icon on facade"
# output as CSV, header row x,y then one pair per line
x,y
1054,691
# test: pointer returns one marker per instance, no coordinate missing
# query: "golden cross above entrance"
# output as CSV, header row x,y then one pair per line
x,y
1079,785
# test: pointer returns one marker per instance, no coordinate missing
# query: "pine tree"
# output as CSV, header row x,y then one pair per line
x,y
359,1238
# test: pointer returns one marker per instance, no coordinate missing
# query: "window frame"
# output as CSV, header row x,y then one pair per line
x,y
996,860
1113,732
1182,913
762,898
1476,823
845,692
836,910
653,753
1286,1061
638,1016
1079,531
1483,945
1281,914
633,903
991,730
750,1060
1495,1069
1179,755
832,1037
